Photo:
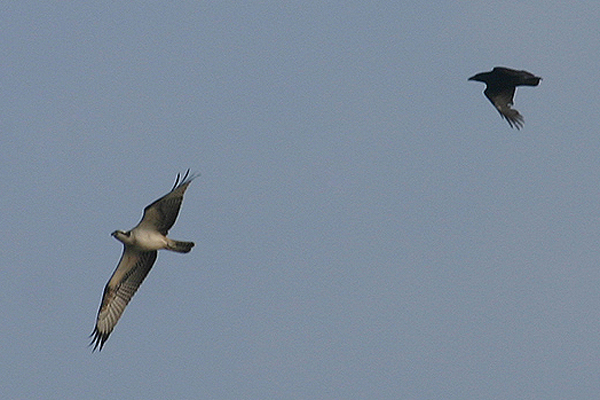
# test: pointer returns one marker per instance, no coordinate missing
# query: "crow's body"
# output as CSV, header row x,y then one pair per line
x,y
501,84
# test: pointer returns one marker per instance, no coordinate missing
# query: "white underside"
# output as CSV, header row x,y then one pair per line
x,y
148,240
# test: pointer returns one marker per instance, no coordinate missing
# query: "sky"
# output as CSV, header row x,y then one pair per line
x,y
366,224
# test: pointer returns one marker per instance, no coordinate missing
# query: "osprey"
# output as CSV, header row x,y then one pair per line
x,y
500,89
141,245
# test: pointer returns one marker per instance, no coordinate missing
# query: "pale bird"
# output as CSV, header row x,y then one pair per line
x,y
141,245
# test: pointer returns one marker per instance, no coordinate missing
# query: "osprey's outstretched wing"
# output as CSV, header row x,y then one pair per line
x,y
161,214
124,282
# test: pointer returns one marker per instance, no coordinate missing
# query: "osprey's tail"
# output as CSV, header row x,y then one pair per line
x,y
180,247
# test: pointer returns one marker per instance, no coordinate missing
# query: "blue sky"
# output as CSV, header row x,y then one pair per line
x,y
366,225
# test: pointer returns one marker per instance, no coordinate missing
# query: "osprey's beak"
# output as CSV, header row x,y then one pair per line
x,y
114,234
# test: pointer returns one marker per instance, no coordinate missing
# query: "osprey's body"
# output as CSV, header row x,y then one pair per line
x,y
142,239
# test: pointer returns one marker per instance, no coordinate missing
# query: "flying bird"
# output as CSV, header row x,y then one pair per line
x,y
500,89
141,245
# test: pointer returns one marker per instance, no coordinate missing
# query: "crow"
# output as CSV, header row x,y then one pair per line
x,y
500,89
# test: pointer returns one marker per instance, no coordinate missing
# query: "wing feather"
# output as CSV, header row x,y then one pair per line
x,y
502,99
162,213
133,267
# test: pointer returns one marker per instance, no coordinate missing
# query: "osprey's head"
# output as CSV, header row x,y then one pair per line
x,y
123,237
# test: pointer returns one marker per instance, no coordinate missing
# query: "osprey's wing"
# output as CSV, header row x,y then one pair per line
x,y
161,214
127,278
502,99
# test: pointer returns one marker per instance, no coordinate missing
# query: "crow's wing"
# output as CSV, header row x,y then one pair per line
x,y
502,99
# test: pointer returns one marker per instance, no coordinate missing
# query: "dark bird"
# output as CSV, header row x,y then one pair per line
x,y
141,245
501,84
